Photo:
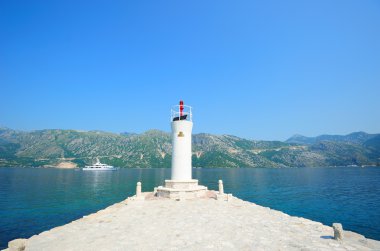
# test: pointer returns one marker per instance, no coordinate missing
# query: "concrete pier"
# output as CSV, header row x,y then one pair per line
x,y
157,223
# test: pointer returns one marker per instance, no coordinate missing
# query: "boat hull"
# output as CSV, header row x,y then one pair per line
x,y
99,169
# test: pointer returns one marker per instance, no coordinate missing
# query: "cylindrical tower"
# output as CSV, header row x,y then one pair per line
x,y
181,185
182,125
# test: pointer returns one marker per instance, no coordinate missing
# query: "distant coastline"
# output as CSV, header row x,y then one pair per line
x,y
152,149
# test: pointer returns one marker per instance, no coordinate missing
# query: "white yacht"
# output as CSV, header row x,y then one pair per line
x,y
99,167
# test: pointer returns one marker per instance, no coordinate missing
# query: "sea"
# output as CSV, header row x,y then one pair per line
x,y
33,200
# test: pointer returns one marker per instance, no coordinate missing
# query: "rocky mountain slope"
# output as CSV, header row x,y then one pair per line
x,y
153,149
355,137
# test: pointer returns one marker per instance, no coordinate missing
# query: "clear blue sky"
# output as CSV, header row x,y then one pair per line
x,y
255,69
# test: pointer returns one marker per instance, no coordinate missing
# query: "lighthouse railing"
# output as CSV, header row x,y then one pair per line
x,y
175,112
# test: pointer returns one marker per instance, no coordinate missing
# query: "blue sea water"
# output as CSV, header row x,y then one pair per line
x,y
33,200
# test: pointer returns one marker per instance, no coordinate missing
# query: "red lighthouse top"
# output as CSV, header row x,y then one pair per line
x,y
181,107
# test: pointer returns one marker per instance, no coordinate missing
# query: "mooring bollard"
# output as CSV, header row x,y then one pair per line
x,y
138,189
338,231
221,190
16,245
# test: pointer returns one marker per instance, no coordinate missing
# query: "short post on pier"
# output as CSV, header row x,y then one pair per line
x,y
221,189
221,195
16,245
138,189
338,231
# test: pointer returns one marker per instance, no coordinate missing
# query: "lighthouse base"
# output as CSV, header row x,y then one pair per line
x,y
181,190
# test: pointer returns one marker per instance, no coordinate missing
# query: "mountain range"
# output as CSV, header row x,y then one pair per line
x,y
151,149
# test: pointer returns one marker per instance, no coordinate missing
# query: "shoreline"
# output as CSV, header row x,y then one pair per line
x,y
259,167
148,222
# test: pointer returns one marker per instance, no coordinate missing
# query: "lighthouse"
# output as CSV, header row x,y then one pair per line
x,y
181,185
182,126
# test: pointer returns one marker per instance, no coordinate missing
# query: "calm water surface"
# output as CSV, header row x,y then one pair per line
x,y
34,200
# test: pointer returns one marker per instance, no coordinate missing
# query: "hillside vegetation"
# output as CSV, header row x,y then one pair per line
x,y
153,149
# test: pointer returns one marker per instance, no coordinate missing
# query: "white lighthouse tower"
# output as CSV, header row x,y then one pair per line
x,y
182,126
181,185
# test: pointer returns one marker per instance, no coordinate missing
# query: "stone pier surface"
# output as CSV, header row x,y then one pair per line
x,y
196,224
